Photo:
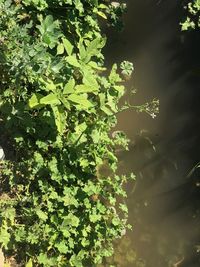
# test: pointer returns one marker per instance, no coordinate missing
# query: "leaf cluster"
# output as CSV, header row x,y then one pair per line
x,y
62,202
192,20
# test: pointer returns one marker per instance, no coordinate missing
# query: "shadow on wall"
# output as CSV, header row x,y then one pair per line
x,y
164,206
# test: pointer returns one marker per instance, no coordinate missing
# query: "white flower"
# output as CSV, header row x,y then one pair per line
x,y
115,4
153,115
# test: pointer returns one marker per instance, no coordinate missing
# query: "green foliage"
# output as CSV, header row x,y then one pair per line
x,y
62,202
192,20
127,68
116,10
57,108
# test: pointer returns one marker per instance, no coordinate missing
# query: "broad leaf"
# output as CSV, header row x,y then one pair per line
x,y
82,88
29,263
80,100
72,60
68,46
50,99
60,49
69,87
60,118
34,101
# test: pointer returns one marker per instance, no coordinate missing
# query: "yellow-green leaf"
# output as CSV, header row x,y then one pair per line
x,y
81,100
72,60
65,103
29,263
82,88
60,49
60,118
94,65
34,101
89,78
102,6
69,87
50,99
50,86
68,46
101,14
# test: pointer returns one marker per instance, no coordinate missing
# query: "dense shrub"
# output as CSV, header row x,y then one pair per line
x,y
61,200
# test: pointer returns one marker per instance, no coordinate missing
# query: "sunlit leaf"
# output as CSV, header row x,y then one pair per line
x,y
68,46
29,263
50,99
60,118
72,60
81,100
60,49
69,87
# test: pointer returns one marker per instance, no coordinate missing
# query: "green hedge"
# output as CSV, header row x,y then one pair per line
x,y
61,202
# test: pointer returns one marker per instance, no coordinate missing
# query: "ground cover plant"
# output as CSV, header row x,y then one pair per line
x,y
61,199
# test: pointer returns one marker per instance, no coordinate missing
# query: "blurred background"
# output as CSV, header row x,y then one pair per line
x,y
164,152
